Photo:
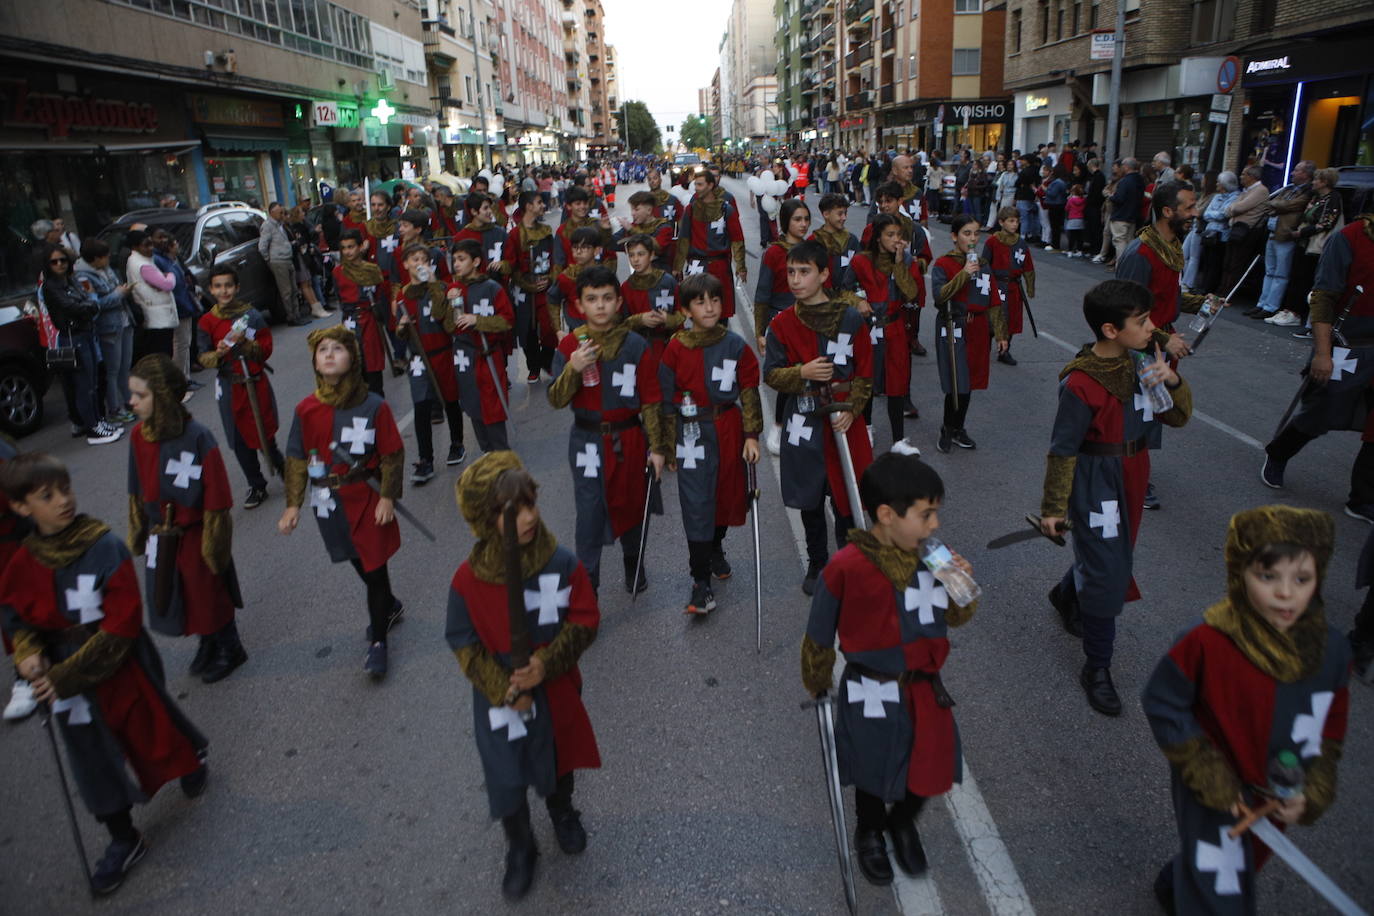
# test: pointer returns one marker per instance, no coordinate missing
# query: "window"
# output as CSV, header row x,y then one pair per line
x,y
467,87
1016,31
1044,22
216,236
968,6
967,62
1213,20
1058,19
242,227
1092,13
1077,21
911,66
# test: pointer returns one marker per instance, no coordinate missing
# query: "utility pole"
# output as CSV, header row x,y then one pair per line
x,y
481,95
1114,106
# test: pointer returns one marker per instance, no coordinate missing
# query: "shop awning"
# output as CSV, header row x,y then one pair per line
x,y
250,144
38,146
175,147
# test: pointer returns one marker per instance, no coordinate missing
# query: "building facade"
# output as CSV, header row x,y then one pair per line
x,y
748,80
462,43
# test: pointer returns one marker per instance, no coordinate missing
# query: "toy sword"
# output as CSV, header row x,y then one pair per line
x,y
343,457
1030,534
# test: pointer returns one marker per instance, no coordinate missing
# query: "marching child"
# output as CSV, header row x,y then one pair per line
x,y
969,314
237,344
364,294
69,600
530,252
838,240
709,379
478,317
410,229
179,506
357,520
646,221
883,274
606,373
531,728
890,203
563,313
420,309
709,237
896,736
649,295
1097,469
384,233
1009,258
481,227
669,207
1260,687
818,351
579,203
773,294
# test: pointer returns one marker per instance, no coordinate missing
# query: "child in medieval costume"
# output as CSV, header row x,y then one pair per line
x,y
838,241
70,603
564,315
410,228
773,294
709,238
482,228
669,207
179,506
608,376
645,220
421,309
529,251
885,279
479,318
890,202
969,315
818,352
364,300
345,454
531,728
13,529
895,735
649,295
1252,699
579,205
384,234
1097,469
238,344
1008,256
709,380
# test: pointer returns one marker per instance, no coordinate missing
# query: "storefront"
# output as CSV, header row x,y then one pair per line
x,y
1311,100
245,148
1042,115
941,126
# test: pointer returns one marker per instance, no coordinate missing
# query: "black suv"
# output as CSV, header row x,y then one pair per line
x,y
218,233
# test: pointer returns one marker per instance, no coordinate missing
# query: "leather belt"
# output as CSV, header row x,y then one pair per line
x,y
705,415
236,379
942,697
1114,449
335,481
607,429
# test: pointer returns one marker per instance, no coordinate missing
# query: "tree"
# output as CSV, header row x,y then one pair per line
x,y
641,133
696,131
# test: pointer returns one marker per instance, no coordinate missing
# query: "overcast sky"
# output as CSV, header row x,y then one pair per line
x,y
665,53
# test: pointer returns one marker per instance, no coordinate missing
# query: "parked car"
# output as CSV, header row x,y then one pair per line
x,y
218,233
1356,187
685,159
24,376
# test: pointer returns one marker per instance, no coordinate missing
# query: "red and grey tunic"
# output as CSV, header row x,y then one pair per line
x,y
364,308
772,294
231,382
477,392
708,247
186,474
887,331
557,738
661,297
438,344
492,238
966,313
1009,263
530,261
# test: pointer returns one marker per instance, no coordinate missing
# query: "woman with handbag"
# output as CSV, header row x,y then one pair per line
x,y
1320,221
73,351
1216,229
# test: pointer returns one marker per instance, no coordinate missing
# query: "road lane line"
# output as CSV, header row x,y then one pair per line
x,y
1210,420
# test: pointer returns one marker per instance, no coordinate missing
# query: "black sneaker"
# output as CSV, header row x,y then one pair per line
x,y
1362,659
702,600
630,581
1069,614
255,497
1271,472
1361,512
423,473
456,454
1006,358
120,857
568,829
397,612
1304,334
193,783
1151,500
720,567
945,442
813,572
533,377
375,663
1101,692
961,439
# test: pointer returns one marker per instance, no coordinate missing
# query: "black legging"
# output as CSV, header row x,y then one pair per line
x,y
424,429
896,416
374,382
873,813
813,522
699,554
956,409
380,601
1056,215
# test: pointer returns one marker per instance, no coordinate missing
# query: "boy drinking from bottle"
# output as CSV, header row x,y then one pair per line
x,y
1110,398
894,727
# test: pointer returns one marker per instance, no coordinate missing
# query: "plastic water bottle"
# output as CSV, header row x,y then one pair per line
x,y
940,561
316,467
691,429
806,401
591,376
971,257
1211,308
1160,399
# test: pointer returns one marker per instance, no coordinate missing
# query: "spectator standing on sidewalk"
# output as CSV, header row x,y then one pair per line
x,y
274,243
1247,228
1320,221
167,258
73,312
152,289
1027,181
1216,230
114,325
1126,203
1286,207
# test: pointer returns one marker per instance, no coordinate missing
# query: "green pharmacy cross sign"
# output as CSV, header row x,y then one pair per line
x,y
382,111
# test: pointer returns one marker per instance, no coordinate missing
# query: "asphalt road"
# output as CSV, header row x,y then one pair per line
x,y
329,794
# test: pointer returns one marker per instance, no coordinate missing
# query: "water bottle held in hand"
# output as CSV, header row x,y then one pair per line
x,y
1160,399
691,429
940,561
806,401
316,467
1211,308
591,376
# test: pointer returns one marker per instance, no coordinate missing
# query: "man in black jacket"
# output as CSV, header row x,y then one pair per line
x,y
1092,214
1027,180
1130,193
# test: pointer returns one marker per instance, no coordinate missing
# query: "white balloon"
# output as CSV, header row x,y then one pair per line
x,y
682,194
768,175
497,184
793,171
755,185
780,187
770,206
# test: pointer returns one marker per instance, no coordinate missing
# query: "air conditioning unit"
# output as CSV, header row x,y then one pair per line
x,y
361,87
385,82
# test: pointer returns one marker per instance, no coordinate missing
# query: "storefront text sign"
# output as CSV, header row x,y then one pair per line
x,y
1103,46
1265,66
64,113
218,109
1037,102
333,114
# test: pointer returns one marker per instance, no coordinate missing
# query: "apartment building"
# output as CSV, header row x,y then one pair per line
x,y
462,42
613,99
748,82
578,118
534,79
603,135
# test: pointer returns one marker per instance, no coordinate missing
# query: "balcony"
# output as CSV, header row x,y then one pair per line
x,y
827,109
858,11
828,35
889,41
864,52
859,101
441,54
827,74
808,80
569,19
887,95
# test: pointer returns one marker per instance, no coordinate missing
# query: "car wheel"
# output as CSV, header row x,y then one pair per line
x,y
21,403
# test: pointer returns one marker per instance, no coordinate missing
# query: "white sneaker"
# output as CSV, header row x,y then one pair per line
x,y
103,433
905,447
22,704
1098,259
1284,319
775,440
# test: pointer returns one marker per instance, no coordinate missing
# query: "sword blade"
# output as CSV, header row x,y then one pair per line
x,y
825,728
1306,868
1025,304
250,388
643,532
752,481
344,458
498,380
1014,537
851,485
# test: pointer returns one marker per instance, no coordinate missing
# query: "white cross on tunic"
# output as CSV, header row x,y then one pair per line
x,y
351,323
625,379
695,267
718,225
926,597
78,709
484,308
417,365
984,284
183,470
589,460
1020,256
690,453
219,392
1307,729
958,332
85,599
840,349
845,259
873,694
1109,519
1142,404
322,501
725,374
390,242
151,551
541,263
664,300
1341,363
500,717
1226,860
494,253
460,359
357,435
875,333
797,430
548,599
369,292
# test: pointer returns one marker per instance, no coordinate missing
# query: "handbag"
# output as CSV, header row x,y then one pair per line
x,y
59,358
1317,242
